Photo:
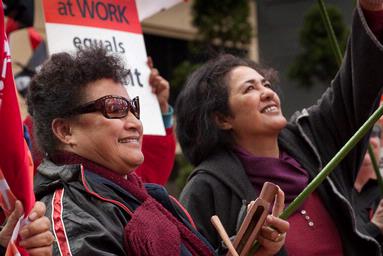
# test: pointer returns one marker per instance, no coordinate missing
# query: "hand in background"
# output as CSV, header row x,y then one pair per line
x,y
372,5
6,232
160,86
36,237
377,219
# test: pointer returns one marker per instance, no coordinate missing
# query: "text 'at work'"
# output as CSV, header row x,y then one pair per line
x,y
94,9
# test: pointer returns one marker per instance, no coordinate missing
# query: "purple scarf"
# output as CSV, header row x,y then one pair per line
x,y
152,230
284,172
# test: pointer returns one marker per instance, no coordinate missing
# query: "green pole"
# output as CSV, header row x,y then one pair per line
x,y
333,163
345,149
330,31
350,144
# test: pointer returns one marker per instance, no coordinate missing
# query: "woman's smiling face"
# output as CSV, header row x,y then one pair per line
x,y
255,108
112,143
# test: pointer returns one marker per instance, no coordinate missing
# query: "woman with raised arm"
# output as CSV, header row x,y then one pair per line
x,y
231,127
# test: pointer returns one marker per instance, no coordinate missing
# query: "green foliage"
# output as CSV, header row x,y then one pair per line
x,y
317,61
179,76
181,72
222,21
221,24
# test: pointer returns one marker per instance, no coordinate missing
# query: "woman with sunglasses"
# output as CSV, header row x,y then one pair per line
x,y
91,132
231,127
159,151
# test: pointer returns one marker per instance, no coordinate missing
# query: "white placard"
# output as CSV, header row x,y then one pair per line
x,y
114,23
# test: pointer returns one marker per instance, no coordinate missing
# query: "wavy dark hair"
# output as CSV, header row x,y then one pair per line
x,y
59,87
205,94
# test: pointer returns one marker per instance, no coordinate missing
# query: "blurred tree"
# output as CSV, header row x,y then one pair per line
x,y
224,23
185,169
222,26
180,73
317,61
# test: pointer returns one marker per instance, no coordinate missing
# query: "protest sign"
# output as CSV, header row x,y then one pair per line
x,y
114,24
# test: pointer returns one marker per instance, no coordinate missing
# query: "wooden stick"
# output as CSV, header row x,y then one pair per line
x,y
221,231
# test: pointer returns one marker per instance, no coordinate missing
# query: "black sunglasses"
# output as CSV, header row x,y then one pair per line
x,y
112,107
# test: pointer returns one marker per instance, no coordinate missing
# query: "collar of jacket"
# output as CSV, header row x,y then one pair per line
x,y
51,176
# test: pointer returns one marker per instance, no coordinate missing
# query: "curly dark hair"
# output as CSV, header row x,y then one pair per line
x,y
59,87
204,94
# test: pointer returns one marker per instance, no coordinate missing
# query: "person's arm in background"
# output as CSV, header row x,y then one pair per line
x,y
371,5
373,11
159,151
36,237
375,227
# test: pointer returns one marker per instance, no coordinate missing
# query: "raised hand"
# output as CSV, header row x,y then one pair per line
x,y
377,219
160,86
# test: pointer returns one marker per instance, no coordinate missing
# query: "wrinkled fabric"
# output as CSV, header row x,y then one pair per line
x,y
152,228
94,208
283,171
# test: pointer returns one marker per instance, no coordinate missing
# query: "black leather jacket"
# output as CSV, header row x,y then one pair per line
x,y
89,213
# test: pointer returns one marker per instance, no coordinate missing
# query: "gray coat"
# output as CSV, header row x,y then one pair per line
x,y
219,185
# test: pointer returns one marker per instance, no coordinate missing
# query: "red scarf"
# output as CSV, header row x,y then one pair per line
x,y
284,171
152,230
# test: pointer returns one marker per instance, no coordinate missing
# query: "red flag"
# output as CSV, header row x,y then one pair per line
x,y
11,26
12,250
34,38
7,198
15,159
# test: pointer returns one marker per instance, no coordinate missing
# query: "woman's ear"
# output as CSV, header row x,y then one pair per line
x,y
61,128
222,121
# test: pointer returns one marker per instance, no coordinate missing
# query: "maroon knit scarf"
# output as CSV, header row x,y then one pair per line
x,y
152,230
283,171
